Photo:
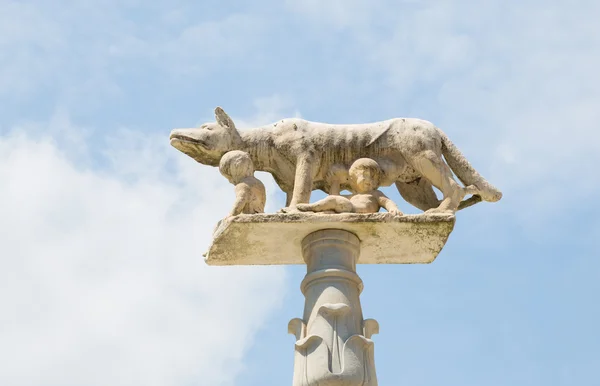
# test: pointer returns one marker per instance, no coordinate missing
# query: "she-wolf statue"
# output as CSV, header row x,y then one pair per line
x,y
299,154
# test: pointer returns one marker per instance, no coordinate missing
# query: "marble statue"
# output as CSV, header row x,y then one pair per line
x,y
364,176
333,341
300,154
250,194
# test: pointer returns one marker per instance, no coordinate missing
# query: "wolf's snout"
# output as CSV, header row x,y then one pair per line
x,y
180,134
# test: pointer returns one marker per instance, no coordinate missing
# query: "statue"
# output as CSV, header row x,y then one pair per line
x,y
364,181
250,195
299,154
333,344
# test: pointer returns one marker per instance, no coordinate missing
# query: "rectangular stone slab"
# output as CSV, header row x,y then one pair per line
x,y
272,239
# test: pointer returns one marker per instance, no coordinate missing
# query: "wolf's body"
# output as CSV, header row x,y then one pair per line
x,y
300,154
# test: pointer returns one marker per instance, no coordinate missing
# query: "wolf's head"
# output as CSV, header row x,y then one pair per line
x,y
207,143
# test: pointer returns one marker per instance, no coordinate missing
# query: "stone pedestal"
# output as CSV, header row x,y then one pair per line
x,y
273,239
332,339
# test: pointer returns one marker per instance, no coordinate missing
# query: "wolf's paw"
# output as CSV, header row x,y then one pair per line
x,y
289,209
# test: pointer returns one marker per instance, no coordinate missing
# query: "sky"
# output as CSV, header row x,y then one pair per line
x,y
103,224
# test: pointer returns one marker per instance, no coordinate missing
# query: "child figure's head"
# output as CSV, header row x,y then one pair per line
x,y
236,165
364,175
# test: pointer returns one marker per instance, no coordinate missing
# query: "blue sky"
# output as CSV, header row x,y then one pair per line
x,y
103,223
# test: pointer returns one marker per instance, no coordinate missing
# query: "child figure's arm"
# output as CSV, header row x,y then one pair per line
x,y
242,197
388,204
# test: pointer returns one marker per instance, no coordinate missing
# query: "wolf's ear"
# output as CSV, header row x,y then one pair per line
x,y
223,119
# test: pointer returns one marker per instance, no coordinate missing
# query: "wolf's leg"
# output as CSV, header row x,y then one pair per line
x,y
303,180
432,167
418,193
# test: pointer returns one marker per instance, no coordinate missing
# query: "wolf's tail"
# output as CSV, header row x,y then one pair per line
x,y
467,173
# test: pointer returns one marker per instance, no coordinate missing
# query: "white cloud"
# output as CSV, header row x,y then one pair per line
x,y
102,275
338,14
80,51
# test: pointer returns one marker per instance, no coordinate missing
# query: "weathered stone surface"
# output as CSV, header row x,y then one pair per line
x,y
413,153
333,341
364,176
263,239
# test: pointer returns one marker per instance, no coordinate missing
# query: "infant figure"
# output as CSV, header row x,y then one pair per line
x,y
364,176
250,195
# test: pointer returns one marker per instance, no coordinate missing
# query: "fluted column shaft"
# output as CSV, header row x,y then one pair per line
x,y
333,341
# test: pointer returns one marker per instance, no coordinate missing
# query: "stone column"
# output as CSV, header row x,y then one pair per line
x,y
333,344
